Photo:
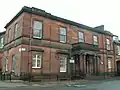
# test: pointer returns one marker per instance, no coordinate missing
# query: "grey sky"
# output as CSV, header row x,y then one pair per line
x,y
88,12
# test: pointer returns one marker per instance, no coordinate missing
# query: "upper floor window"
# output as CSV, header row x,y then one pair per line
x,y
118,49
81,36
16,32
9,34
108,44
36,60
63,34
95,40
1,42
37,29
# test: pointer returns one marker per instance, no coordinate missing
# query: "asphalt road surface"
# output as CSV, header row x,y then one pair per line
x,y
99,85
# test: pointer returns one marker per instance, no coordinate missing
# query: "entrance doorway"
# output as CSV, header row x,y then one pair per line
x,y
91,65
86,65
118,67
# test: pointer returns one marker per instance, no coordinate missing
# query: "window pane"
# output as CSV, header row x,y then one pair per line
x,y
63,64
38,63
38,60
118,49
36,32
36,57
81,37
109,65
37,25
16,30
95,40
62,31
13,63
62,38
108,44
108,41
1,42
9,35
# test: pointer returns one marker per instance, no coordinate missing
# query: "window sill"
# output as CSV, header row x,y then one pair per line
x,y
36,67
63,71
63,42
37,37
108,49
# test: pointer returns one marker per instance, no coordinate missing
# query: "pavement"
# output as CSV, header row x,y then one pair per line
x,y
101,85
105,84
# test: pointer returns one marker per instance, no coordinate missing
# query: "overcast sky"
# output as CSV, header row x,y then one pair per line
x,y
89,12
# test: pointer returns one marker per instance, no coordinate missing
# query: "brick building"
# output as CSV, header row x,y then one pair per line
x,y
39,42
116,46
1,48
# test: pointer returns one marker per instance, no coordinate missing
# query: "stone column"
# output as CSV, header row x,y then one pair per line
x,y
84,63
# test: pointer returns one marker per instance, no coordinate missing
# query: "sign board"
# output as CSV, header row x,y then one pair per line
x,y
21,49
72,61
101,62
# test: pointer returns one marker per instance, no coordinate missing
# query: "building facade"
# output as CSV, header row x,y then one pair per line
x,y
1,47
38,42
116,46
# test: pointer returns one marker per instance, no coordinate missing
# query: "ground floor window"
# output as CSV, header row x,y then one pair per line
x,y
109,65
36,59
13,63
63,63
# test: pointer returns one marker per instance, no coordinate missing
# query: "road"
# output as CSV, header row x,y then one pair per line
x,y
98,85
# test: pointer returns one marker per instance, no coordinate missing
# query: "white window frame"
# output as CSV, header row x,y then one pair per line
x,y
118,50
39,29
62,29
2,41
63,58
81,36
36,59
9,35
95,39
109,65
16,30
108,44
13,60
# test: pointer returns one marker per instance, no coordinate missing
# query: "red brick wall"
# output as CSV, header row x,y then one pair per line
x,y
52,27
51,31
1,56
19,20
9,54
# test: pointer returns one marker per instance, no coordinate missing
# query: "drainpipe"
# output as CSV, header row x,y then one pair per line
x,y
114,51
29,47
103,53
50,53
71,64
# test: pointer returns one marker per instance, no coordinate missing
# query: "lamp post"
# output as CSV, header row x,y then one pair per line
x,y
71,61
